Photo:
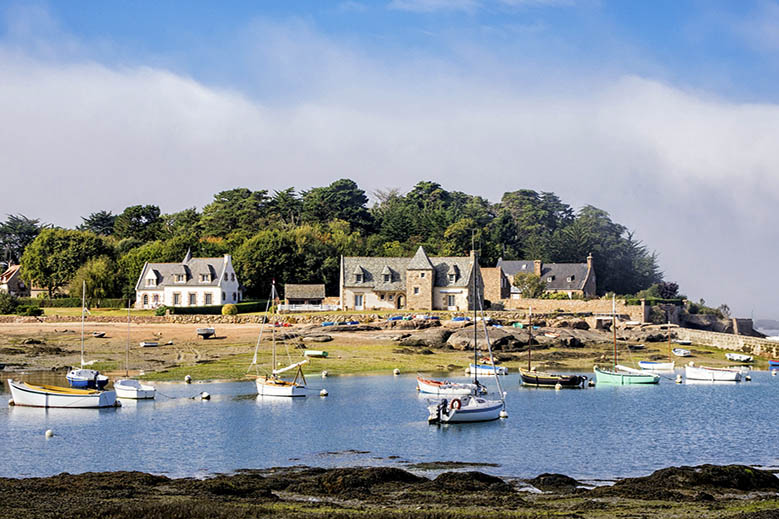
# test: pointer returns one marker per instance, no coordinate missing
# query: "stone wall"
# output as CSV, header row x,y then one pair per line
x,y
423,281
594,306
496,286
726,341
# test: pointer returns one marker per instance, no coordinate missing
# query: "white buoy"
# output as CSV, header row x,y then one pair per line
x,y
748,378
504,414
558,386
205,396
324,374
591,383
323,392
679,379
396,372
188,379
11,402
773,372
49,433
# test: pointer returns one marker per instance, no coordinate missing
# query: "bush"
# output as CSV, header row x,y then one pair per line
x,y
229,309
31,310
160,310
8,303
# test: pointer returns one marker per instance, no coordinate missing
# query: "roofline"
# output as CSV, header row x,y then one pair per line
x,y
140,277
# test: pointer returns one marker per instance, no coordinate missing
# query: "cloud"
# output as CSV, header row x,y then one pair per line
x,y
693,174
429,6
760,28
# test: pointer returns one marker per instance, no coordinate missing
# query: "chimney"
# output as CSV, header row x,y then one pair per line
x,y
537,267
589,261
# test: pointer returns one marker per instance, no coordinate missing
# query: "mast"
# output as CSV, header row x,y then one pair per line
x,y
614,326
127,354
83,311
530,340
669,340
273,327
474,296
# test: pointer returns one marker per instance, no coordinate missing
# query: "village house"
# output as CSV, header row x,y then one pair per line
x,y
572,279
417,283
11,282
193,282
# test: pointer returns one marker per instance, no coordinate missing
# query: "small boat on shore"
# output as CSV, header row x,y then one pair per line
x,y
99,335
739,357
693,372
34,395
315,353
681,352
206,333
447,388
683,342
149,344
773,364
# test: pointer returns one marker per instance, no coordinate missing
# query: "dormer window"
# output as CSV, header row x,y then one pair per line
x,y
358,278
151,282
524,267
550,279
179,278
569,279
205,278
225,276
387,278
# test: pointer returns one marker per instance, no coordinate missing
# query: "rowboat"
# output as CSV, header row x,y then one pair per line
x,y
445,387
712,374
486,369
33,395
149,344
683,342
623,376
648,365
315,353
739,357
681,352
206,333
541,379
134,390
773,364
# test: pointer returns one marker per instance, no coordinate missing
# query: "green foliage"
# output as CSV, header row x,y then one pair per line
x,y
98,277
229,309
101,222
55,255
238,209
186,222
341,200
16,233
8,303
139,221
29,310
529,284
160,310
657,315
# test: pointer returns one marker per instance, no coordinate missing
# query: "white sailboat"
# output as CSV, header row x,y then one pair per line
x,y
271,384
447,388
648,365
693,372
85,378
471,408
34,395
127,387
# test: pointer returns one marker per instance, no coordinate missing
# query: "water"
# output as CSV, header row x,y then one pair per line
x,y
590,434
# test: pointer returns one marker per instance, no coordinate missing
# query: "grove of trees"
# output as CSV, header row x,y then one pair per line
x,y
298,236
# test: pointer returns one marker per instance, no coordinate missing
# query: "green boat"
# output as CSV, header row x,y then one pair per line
x,y
623,378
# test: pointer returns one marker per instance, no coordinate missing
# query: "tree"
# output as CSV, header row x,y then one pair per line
x,y
529,284
287,206
233,210
139,221
268,255
101,222
186,222
342,200
98,276
8,303
52,259
16,233
667,290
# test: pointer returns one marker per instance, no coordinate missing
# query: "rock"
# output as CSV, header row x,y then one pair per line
x,y
580,324
471,481
318,338
554,482
353,328
30,340
499,338
561,324
412,324
431,338
391,336
572,342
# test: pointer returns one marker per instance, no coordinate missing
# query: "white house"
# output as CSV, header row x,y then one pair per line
x,y
193,282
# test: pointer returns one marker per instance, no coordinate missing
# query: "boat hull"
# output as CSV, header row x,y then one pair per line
x,y
712,374
541,379
134,390
275,387
31,395
739,357
656,366
623,379
484,369
446,388
773,364
86,379
471,409
681,352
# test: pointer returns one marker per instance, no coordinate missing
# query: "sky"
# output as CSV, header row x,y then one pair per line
x,y
663,113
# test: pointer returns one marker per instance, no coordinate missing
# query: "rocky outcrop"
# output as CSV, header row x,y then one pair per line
x,y
430,338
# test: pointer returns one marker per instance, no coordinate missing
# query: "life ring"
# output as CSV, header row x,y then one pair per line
x,y
456,404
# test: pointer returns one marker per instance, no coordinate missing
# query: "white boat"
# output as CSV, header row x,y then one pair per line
x,y
683,342
648,365
447,388
206,333
82,378
681,352
315,353
472,408
739,357
127,387
271,384
487,369
33,395
712,374
149,344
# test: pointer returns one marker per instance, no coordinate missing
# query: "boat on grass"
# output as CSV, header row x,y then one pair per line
x,y
34,395
681,352
315,353
683,342
149,344
692,372
739,357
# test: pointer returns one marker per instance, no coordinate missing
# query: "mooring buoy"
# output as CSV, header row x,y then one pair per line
x,y
188,379
504,414
679,379
205,396
49,433
324,374
11,402
558,386
323,392
396,372
748,378
591,383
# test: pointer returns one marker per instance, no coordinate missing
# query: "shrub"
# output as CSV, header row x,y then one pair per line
x,y
31,310
8,303
160,311
229,309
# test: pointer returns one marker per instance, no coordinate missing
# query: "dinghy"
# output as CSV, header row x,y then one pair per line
x,y
648,365
447,388
127,387
486,369
315,353
33,395
739,357
681,352
692,372
149,344
206,333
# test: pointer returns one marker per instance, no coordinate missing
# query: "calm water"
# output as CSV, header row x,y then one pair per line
x,y
596,433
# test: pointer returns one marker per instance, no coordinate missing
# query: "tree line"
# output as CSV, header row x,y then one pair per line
x,y
298,236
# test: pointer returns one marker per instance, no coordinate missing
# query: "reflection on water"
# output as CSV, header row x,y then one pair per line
x,y
383,420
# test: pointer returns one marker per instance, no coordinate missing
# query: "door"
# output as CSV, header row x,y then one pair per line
x,y
358,304
450,303
401,302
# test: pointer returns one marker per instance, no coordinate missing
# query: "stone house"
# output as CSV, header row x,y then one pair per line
x,y
12,283
304,294
417,283
193,282
569,278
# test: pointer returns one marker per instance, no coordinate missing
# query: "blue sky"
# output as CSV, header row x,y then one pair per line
x,y
663,113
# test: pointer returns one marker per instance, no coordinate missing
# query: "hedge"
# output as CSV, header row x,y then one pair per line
x,y
72,302
243,308
654,301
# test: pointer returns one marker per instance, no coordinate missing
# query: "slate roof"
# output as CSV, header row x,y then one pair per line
x,y
192,269
373,268
559,272
304,291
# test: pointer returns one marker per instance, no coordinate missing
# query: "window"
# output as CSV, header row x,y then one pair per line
x,y
151,282
416,290
234,296
225,276
421,274
179,278
450,300
550,279
145,299
524,267
155,299
205,278
381,296
176,299
391,297
208,299
358,278
451,278
569,279
192,299
232,276
386,278
224,296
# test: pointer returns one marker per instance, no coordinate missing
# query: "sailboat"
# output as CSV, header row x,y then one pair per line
x,y
471,408
531,377
271,384
648,365
127,387
621,375
447,388
85,378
